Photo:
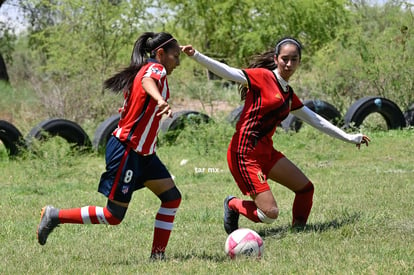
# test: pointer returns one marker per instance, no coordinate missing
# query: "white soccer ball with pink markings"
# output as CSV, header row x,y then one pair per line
x,y
244,241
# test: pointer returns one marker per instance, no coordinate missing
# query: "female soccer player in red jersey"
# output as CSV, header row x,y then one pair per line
x,y
131,161
251,157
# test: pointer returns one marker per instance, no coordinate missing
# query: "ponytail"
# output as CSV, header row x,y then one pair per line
x,y
145,47
263,60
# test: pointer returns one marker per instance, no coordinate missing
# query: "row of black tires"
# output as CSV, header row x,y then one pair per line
x,y
73,133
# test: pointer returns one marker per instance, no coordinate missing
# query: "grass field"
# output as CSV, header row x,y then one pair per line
x,y
362,221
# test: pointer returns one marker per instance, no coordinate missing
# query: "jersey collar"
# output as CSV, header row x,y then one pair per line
x,y
282,82
152,60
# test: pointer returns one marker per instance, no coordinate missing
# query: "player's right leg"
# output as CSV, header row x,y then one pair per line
x,y
170,198
248,174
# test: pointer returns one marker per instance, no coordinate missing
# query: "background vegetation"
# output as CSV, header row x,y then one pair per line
x,y
352,49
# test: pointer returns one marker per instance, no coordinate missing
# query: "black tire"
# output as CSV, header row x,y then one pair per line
x,y
322,108
11,138
172,126
182,118
291,123
365,106
66,129
234,115
409,115
104,132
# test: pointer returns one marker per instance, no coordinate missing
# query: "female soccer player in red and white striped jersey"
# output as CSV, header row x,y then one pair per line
x,y
131,161
251,157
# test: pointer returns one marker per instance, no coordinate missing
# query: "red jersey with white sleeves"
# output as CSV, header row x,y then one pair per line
x,y
266,106
139,123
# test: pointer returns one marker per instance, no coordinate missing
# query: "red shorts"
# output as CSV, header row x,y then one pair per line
x,y
250,169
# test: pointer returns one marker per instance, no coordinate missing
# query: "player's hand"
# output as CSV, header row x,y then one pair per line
x,y
188,50
164,108
364,140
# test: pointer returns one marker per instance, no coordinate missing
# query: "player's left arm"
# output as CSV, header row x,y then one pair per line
x,y
326,127
151,88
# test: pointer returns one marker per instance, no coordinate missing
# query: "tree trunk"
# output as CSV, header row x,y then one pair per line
x,y
3,70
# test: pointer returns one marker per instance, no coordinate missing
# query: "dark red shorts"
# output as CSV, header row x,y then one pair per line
x,y
250,169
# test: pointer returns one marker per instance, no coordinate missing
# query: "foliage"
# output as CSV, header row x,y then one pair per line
x,y
235,30
75,45
373,57
6,42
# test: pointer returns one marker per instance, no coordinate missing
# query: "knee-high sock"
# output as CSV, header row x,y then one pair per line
x,y
164,222
246,208
88,215
302,205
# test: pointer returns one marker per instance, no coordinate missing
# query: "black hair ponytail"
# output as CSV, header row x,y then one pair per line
x,y
263,60
145,47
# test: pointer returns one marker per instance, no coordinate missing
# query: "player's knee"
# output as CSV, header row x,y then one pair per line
x,y
170,195
268,216
115,213
308,188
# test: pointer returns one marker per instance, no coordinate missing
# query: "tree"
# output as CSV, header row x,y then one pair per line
x,y
374,55
75,45
237,29
3,69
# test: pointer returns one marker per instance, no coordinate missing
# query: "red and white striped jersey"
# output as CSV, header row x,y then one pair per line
x,y
139,123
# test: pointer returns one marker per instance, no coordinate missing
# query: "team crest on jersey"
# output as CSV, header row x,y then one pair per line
x,y
125,189
156,70
261,177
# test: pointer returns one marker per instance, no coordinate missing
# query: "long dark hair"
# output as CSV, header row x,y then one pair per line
x,y
266,59
145,47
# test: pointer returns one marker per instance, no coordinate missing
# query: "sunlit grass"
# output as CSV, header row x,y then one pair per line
x,y
361,221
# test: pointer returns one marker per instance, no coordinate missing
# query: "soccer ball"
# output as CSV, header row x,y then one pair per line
x,y
244,241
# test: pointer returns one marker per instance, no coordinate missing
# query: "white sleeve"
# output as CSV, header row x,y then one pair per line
x,y
220,68
325,126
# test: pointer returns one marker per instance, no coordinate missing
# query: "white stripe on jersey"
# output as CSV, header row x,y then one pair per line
x,y
164,95
85,215
164,225
152,147
164,89
118,132
146,131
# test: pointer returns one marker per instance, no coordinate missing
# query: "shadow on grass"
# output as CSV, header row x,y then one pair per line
x,y
280,232
203,256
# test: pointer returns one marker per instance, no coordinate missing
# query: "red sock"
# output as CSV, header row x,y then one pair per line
x,y
302,205
164,221
246,208
87,215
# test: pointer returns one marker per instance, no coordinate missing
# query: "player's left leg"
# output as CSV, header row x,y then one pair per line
x,y
51,217
289,175
170,198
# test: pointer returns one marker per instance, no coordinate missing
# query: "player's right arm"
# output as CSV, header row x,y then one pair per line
x,y
218,68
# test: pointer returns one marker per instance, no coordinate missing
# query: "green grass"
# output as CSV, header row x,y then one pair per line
x,y
362,221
